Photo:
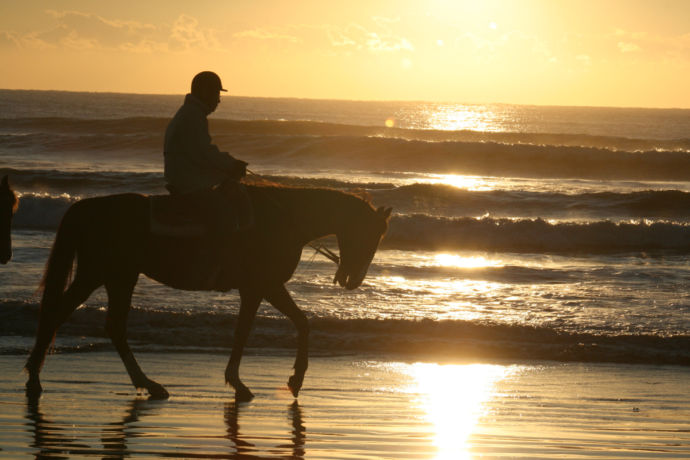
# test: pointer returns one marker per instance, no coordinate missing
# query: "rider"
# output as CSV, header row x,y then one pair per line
x,y
194,164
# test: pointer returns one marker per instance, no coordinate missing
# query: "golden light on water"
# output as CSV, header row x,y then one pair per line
x,y
454,260
454,398
463,118
472,183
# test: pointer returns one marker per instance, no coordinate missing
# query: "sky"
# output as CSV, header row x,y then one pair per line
x,y
625,53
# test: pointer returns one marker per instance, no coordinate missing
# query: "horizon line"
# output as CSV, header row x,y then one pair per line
x,y
409,101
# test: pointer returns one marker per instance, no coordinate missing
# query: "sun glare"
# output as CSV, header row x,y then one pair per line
x,y
463,118
454,399
472,183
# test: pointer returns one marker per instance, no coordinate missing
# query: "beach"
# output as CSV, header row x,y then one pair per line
x,y
350,407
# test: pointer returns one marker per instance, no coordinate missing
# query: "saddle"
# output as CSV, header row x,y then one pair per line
x,y
179,215
196,214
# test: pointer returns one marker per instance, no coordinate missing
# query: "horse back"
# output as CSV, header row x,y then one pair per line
x,y
126,212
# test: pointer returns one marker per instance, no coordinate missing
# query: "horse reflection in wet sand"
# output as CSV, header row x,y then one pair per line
x,y
8,206
111,241
125,437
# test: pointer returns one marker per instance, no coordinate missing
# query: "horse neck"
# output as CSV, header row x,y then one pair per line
x,y
319,212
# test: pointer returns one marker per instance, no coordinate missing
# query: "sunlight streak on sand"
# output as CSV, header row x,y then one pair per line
x,y
454,398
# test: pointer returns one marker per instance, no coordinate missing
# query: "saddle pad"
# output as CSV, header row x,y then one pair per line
x,y
175,216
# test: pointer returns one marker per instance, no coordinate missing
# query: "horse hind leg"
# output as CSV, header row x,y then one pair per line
x,y
50,319
119,301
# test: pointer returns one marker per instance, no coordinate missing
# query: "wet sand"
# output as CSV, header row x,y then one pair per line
x,y
350,407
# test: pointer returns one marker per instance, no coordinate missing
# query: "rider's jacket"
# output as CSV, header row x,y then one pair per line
x,y
192,162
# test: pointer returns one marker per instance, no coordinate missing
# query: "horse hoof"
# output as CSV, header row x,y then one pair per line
x,y
156,391
243,394
295,384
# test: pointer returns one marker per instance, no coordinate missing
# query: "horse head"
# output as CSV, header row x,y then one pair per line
x,y
8,205
358,241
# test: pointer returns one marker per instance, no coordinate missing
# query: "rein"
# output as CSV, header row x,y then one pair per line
x,y
321,249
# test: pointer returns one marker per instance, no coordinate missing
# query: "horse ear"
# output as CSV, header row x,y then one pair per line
x,y
5,182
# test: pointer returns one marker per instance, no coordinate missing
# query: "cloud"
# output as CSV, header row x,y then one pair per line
x,y
8,39
627,47
265,34
380,39
80,30
584,59
654,47
187,34
87,31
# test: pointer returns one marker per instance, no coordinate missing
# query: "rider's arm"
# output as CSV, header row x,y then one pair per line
x,y
209,155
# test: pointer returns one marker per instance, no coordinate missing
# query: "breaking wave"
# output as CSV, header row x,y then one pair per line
x,y
432,232
535,235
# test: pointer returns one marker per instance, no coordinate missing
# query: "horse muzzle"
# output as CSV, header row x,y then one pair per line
x,y
348,281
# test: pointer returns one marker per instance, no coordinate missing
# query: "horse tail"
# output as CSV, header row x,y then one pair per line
x,y
56,276
58,271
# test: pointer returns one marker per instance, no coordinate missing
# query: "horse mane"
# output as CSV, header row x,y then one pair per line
x,y
268,185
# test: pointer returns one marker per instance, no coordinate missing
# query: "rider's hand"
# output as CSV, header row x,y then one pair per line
x,y
238,169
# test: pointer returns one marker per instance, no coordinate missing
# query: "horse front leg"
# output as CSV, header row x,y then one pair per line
x,y
249,304
280,298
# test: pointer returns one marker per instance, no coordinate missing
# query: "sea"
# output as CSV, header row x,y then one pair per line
x,y
518,232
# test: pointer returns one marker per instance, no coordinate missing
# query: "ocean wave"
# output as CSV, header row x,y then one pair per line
x,y
331,335
425,232
312,144
222,127
467,158
93,183
429,232
432,199
84,183
42,211
446,200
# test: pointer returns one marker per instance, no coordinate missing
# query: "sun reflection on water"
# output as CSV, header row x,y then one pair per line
x,y
454,260
471,183
455,398
464,117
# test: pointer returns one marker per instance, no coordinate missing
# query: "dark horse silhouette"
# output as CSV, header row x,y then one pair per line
x,y
111,240
8,206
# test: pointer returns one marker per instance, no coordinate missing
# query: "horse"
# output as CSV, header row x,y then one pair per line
x,y
8,206
110,237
